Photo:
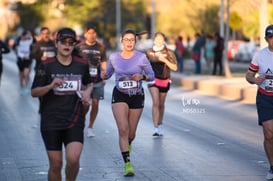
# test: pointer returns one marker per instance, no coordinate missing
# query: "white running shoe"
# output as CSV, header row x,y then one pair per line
x,y
269,175
160,130
90,132
155,132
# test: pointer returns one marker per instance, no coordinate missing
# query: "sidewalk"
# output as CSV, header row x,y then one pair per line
x,y
233,89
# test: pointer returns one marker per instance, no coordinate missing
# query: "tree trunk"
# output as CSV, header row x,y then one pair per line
x,y
225,58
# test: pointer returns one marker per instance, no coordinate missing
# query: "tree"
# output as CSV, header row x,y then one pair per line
x,y
30,15
102,13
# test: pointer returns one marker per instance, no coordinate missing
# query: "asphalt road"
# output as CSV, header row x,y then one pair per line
x,y
206,139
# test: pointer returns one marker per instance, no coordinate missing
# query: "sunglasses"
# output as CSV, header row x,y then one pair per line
x,y
69,43
129,40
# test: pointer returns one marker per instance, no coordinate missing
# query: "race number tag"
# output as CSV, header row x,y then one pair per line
x,y
127,84
269,83
93,71
49,54
70,86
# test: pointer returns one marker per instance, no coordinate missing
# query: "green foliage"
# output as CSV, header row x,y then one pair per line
x,y
30,15
235,21
102,14
173,17
188,17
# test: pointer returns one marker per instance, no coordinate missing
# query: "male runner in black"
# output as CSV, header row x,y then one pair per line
x,y
94,52
44,48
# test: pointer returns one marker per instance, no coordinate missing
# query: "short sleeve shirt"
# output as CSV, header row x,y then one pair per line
x,y
61,108
94,54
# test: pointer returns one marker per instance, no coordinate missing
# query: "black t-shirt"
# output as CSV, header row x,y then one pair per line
x,y
161,70
95,54
43,48
61,108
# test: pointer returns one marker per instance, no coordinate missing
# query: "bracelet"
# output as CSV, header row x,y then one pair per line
x,y
143,77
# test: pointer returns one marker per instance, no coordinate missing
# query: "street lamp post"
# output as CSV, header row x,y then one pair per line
x,y
118,22
153,17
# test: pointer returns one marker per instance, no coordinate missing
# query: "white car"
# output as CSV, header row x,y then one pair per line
x,y
245,51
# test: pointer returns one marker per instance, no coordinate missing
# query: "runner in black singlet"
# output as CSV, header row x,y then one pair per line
x,y
58,81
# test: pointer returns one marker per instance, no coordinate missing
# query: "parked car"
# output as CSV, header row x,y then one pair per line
x,y
245,51
233,47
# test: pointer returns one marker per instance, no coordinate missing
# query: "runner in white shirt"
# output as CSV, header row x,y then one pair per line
x,y
262,64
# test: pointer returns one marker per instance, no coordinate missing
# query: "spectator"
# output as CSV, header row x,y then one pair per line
x,y
209,51
218,54
196,52
179,52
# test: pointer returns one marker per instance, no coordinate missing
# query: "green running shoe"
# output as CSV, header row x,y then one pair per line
x,y
129,169
130,148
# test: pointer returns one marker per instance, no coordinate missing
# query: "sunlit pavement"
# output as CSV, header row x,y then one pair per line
x,y
235,88
173,157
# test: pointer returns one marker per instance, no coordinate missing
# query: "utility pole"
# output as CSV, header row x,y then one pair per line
x,y
222,6
118,22
153,17
263,21
225,58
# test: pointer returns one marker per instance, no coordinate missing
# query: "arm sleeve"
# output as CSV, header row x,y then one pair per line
x,y
148,68
171,57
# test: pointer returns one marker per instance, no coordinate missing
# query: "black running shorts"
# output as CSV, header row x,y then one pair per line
x,y
54,139
161,89
133,101
264,105
23,64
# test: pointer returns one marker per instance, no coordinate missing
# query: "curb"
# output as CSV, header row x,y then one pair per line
x,y
232,89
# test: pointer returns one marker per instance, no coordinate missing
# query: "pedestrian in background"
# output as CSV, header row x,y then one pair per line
x,y
218,54
209,51
196,52
179,52
3,49
24,60
58,81
262,64
44,48
131,67
94,52
163,60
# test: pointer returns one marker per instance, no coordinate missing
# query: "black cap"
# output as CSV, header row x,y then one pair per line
x,y
128,31
90,26
66,33
269,31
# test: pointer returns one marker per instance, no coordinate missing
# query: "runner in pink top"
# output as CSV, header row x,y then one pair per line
x,y
163,61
